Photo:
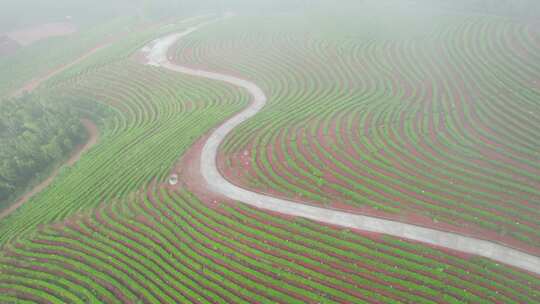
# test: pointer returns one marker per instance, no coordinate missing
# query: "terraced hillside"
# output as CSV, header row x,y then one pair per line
x,y
436,126
154,117
164,246
25,67
109,231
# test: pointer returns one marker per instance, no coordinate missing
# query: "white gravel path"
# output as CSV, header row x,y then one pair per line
x,y
156,53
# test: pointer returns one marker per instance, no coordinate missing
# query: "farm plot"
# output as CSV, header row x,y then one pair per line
x,y
163,245
439,128
36,61
107,232
154,117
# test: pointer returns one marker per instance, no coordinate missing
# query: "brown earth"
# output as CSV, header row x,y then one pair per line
x,y
93,137
190,177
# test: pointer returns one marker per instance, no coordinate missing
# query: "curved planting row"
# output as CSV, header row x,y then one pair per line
x,y
156,116
165,246
441,128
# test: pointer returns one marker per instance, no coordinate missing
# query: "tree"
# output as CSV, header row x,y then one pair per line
x,y
35,131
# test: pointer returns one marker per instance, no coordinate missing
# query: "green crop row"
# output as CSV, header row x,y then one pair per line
x,y
465,152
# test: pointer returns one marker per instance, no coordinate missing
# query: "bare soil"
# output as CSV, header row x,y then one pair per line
x,y
190,177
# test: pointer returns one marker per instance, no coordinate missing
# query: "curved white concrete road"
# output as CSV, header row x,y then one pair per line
x,y
156,53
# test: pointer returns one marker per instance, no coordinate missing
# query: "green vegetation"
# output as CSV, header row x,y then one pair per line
x,y
122,49
398,121
155,117
395,112
44,56
98,25
34,133
161,246
42,128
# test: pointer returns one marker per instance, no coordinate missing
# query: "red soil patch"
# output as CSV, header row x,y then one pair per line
x,y
29,35
237,168
270,251
411,216
190,177
372,236
408,215
93,134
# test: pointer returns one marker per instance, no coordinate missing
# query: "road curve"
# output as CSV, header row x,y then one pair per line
x,y
156,54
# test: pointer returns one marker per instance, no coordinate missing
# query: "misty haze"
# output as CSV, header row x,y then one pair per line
x,y
270,151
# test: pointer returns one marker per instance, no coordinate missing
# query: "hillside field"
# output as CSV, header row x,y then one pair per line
x,y
424,117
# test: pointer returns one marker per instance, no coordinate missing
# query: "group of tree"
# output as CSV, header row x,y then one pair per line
x,y
34,133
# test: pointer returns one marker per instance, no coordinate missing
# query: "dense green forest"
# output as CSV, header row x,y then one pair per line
x,y
34,133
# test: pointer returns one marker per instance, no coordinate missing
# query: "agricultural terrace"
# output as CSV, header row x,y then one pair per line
x,y
166,246
154,117
107,231
90,47
434,125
